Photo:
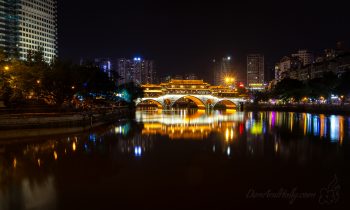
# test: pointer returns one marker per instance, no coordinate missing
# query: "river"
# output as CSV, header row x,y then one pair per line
x,y
184,159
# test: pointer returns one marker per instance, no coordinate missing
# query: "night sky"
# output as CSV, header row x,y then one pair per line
x,y
184,36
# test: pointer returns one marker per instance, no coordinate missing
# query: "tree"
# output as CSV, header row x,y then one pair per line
x,y
95,81
61,82
260,96
130,92
290,88
323,86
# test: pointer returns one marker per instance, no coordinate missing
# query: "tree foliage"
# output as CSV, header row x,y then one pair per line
x,y
53,83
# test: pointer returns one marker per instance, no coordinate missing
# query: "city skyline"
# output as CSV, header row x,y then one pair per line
x,y
194,33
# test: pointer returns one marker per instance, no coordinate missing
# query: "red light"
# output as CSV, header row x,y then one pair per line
x,y
241,129
241,85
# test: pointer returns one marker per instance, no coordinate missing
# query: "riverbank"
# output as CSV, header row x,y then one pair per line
x,y
301,108
39,124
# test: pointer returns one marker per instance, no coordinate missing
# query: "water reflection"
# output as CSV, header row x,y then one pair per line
x,y
189,124
28,171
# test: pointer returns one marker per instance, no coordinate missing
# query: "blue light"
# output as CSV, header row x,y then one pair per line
x,y
92,137
137,151
334,128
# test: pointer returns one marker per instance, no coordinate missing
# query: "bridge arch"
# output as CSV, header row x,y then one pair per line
x,y
150,102
196,100
227,103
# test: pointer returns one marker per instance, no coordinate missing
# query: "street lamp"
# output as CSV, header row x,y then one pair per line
x,y
229,80
6,68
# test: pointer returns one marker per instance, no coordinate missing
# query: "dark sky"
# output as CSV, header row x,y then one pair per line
x,y
184,36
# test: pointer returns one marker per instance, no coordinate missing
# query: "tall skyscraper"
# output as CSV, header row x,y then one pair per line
x,y
222,69
137,70
255,69
28,25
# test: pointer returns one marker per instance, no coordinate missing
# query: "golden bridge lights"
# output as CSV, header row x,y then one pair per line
x,y
74,146
55,155
229,80
14,163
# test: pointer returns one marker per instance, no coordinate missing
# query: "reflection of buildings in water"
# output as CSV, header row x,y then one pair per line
x,y
331,127
137,145
319,125
186,125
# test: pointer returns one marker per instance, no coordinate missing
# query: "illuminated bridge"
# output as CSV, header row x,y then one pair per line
x,y
191,94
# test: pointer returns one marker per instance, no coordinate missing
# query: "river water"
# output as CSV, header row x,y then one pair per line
x,y
184,159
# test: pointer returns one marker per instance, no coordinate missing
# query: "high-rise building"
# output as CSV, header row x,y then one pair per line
x,y
28,25
137,70
255,69
304,56
222,69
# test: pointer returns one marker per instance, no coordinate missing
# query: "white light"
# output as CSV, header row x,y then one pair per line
x,y
229,58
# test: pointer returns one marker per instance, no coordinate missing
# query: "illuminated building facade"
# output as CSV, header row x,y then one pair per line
x,y
137,70
28,25
186,87
255,69
191,87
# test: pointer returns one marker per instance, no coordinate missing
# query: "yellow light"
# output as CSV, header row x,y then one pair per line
x,y
227,134
227,79
38,81
276,147
74,146
55,155
14,163
7,68
257,129
39,162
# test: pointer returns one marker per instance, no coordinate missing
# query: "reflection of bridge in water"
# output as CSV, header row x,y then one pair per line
x,y
191,93
185,124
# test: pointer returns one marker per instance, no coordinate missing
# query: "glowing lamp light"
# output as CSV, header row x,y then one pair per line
x,y
55,155
137,151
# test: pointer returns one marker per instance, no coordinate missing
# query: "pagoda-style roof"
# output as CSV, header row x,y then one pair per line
x,y
187,82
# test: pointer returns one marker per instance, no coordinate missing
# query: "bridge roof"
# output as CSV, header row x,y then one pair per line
x,y
188,82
